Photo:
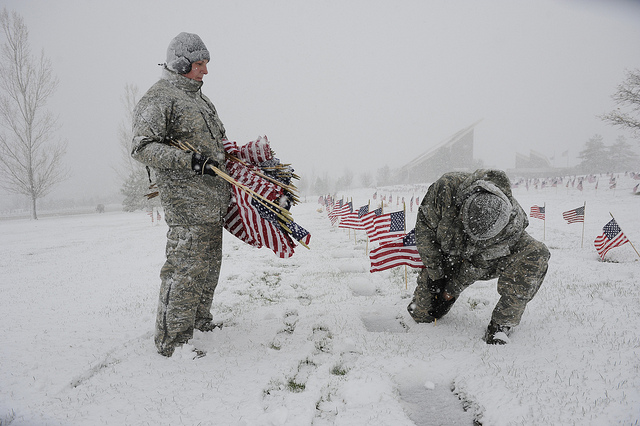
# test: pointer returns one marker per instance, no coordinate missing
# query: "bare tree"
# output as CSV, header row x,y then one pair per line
x,y
127,164
627,97
134,175
30,158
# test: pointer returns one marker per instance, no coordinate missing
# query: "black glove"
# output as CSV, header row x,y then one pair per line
x,y
436,286
439,306
203,165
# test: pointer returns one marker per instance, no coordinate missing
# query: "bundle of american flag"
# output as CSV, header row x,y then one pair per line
x,y
262,194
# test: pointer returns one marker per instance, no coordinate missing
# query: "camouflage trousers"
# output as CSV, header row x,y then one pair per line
x,y
189,279
519,274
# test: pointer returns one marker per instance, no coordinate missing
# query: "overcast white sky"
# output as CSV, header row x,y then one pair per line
x,y
343,84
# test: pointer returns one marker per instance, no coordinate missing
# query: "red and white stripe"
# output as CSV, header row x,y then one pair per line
x,y
394,254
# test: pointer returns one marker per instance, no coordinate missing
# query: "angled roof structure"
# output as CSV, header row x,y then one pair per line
x,y
453,153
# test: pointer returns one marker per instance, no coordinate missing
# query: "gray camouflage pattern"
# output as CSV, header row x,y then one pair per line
x,y
513,256
189,279
174,109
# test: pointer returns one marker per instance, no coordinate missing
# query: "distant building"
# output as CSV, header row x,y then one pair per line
x,y
453,154
534,165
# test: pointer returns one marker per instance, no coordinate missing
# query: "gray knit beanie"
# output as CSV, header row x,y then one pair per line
x,y
485,214
185,49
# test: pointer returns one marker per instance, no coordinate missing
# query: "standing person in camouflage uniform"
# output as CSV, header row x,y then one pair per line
x,y
470,228
194,199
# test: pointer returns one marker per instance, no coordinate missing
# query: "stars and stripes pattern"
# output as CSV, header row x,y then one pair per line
x,y
537,212
353,220
249,222
388,227
339,210
257,151
611,237
574,215
368,218
247,218
398,252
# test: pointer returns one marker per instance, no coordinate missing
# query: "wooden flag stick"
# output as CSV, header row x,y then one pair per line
x,y
223,175
289,231
283,214
584,219
404,210
634,247
544,222
366,247
290,188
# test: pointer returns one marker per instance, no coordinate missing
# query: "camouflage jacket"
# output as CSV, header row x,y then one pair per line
x,y
440,237
174,108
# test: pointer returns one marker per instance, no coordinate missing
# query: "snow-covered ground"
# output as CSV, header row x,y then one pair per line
x,y
315,339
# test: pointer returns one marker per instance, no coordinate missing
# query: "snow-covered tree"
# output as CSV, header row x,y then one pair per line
x,y
383,176
595,156
133,174
627,98
366,180
30,154
621,156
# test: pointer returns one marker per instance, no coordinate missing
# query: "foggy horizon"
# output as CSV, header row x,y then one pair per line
x,y
341,86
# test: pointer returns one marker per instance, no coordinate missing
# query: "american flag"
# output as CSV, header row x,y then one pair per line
x,y
537,212
401,251
249,219
612,236
333,213
254,152
342,210
388,227
367,220
575,215
245,175
353,220
257,151
299,233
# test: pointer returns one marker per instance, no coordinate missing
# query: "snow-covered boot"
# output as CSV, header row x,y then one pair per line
x,y
497,334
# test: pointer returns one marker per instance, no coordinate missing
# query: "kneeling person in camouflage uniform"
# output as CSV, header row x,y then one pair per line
x,y
470,228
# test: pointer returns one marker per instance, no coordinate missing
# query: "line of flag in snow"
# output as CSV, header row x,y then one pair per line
x,y
396,247
577,182
571,216
611,237
151,214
